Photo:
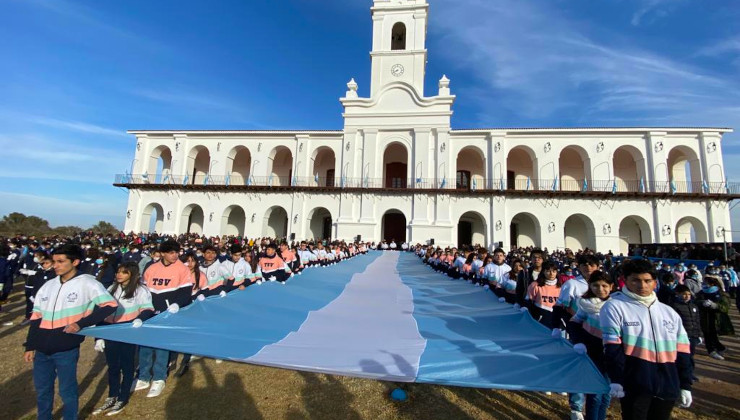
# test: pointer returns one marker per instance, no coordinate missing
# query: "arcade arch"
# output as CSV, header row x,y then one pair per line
x,y
579,233
233,221
395,166
275,224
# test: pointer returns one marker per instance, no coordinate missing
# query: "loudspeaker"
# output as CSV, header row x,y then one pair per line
x,y
500,244
292,236
431,241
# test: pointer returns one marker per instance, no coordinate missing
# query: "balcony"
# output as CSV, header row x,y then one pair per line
x,y
502,186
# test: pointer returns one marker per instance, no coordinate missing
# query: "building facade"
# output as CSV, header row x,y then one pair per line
x,y
399,171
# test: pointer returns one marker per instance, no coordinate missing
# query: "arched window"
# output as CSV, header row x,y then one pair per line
x,y
398,37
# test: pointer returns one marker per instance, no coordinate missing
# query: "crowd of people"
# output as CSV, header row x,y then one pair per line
x,y
73,283
639,321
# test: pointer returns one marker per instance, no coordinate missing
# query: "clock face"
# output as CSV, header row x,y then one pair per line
x,y
397,70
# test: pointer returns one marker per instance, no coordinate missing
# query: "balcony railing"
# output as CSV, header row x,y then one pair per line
x,y
426,184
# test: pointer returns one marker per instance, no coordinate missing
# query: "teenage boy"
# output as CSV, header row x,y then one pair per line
x,y
63,306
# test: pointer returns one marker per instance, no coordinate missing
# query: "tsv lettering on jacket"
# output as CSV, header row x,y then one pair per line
x,y
161,282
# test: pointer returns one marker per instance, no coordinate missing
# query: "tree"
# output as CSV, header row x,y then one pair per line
x,y
67,230
104,228
27,225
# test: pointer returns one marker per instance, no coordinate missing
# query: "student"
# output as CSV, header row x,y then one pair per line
x,y
63,306
587,338
634,324
170,284
134,306
714,305
272,267
511,279
567,303
496,271
467,267
544,292
289,257
29,287
683,303
665,291
214,272
238,271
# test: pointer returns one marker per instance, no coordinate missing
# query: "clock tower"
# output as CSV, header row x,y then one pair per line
x,y
399,44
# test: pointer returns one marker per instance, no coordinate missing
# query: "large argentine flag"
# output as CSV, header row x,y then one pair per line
x,y
384,316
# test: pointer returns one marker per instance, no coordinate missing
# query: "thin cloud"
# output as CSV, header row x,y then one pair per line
x,y
536,63
78,126
180,98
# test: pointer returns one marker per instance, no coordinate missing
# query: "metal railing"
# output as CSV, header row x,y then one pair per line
x,y
613,186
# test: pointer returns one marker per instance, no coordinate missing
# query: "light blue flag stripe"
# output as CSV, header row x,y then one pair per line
x,y
475,341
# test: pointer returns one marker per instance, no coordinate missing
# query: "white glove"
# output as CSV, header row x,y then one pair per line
x,y
517,306
557,333
137,323
222,294
502,300
31,298
201,298
685,399
523,309
701,340
486,287
580,348
616,391
100,345
173,309
710,304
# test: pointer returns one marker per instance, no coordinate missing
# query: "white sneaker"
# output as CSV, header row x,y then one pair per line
x,y
141,385
716,356
548,393
156,389
219,361
576,415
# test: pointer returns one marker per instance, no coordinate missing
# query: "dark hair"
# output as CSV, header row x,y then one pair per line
x,y
631,267
235,248
184,257
714,280
71,251
209,248
667,278
548,265
536,251
501,250
588,259
682,288
133,270
598,275
169,246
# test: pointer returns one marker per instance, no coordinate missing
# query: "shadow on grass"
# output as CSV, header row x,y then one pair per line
x,y
324,397
210,400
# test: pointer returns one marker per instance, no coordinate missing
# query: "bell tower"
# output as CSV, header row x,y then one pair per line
x,y
399,44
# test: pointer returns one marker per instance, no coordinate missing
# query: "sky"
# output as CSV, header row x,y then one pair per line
x,y
76,75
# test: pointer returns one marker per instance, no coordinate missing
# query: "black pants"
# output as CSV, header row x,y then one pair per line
x,y
645,407
29,303
711,340
120,359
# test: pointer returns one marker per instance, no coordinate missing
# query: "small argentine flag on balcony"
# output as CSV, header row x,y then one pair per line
x,y
443,183
529,183
642,184
585,185
185,180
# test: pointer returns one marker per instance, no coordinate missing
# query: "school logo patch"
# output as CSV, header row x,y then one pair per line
x,y
632,324
669,326
72,297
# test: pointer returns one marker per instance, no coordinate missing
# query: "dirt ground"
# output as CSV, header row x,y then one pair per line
x,y
240,391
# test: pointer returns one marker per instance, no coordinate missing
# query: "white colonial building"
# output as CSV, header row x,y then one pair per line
x,y
398,170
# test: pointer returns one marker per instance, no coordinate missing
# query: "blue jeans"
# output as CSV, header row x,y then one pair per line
x,y
596,406
153,363
576,402
46,368
120,358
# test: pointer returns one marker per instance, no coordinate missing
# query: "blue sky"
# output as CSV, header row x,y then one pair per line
x,y
77,74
